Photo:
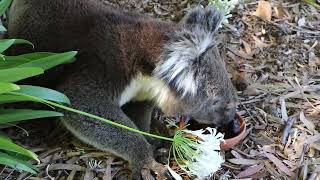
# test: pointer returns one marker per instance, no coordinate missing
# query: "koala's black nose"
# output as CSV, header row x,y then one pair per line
x,y
230,125
229,129
225,125
230,115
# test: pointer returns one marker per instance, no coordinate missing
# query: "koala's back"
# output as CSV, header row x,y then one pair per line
x,y
59,25
86,26
55,25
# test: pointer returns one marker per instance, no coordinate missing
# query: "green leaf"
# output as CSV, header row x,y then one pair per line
x,y
313,3
9,98
4,4
8,145
8,87
3,135
36,55
13,61
44,93
16,163
14,115
51,61
16,74
6,43
2,28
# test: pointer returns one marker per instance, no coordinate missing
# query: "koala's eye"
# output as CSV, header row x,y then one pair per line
x,y
202,55
204,52
215,103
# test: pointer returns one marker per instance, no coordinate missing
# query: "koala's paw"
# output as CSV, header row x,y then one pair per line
x,y
159,169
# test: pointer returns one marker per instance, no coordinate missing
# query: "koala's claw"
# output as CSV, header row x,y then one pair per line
x,y
159,169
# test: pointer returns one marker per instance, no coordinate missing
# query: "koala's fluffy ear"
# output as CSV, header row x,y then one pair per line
x,y
179,62
208,18
195,16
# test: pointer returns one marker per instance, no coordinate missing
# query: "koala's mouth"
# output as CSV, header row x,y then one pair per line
x,y
229,130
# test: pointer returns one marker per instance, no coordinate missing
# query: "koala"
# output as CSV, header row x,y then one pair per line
x,y
128,58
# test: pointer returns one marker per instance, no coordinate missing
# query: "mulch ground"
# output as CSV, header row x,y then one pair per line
x,y
272,52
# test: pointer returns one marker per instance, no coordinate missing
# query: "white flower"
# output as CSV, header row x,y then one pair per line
x,y
200,158
175,175
226,6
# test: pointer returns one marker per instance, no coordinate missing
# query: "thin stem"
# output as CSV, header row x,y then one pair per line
x,y
92,116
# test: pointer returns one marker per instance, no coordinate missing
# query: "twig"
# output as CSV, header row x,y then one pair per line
x,y
47,172
304,96
284,114
286,130
3,169
9,174
304,150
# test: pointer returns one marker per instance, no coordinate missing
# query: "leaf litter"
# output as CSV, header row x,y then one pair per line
x,y
272,52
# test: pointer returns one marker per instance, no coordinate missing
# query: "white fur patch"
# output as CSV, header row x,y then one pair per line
x,y
176,66
146,88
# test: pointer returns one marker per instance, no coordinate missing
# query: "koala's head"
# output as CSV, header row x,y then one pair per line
x,y
192,67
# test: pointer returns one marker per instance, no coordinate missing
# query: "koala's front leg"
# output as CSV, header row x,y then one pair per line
x,y
126,144
123,143
140,112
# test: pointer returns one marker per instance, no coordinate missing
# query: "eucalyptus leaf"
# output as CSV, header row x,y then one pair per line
x,y
12,61
36,55
2,28
51,61
10,98
15,115
4,4
8,87
44,93
16,163
16,74
6,43
3,135
8,145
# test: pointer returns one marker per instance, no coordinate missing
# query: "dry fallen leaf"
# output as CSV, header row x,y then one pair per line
x,y
250,171
75,167
72,175
107,173
279,10
239,80
88,174
272,170
313,139
244,161
240,53
264,10
309,124
278,163
259,43
247,47
252,91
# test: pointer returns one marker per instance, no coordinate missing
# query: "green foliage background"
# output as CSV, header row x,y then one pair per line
x,y
12,70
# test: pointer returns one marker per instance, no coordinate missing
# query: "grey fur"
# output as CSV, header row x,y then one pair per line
x,y
186,46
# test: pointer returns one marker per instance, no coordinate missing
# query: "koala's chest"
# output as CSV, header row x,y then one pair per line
x,y
143,88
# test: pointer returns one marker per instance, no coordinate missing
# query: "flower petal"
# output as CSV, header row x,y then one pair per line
x,y
174,174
